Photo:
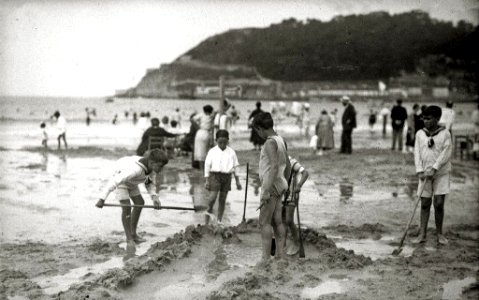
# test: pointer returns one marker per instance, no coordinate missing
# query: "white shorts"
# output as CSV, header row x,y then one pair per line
x,y
441,185
124,192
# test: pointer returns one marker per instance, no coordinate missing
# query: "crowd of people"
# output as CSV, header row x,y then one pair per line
x,y
428,135
279,174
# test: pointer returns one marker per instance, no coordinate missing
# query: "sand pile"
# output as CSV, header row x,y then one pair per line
x,y
326,256
374,231
17,283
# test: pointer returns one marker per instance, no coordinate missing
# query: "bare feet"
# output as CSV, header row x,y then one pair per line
x,y
138,239
419,240
441,240
293,250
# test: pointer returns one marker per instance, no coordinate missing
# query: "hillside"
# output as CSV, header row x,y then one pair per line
x,y
375,46
371,46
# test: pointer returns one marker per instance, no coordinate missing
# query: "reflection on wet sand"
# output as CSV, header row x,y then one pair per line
x,y
197,190
346,190
44,162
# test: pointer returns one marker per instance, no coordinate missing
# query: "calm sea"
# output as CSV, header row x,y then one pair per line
x,y
20,117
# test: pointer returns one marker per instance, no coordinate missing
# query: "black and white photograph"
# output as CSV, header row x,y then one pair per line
x,y
239,149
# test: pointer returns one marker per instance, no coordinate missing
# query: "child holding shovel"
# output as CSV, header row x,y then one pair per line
x,y
221,161
274,169
290,203
130,172
432,157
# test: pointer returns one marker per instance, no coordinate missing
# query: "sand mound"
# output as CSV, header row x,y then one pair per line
x,y
374,231
16,283
181,245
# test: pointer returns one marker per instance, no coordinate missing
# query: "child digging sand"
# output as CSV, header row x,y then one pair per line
x,y
220,163
291,203
432,157
130,172
274,168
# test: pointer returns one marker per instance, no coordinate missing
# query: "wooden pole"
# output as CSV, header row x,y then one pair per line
x,y
245,193
222,93
152,206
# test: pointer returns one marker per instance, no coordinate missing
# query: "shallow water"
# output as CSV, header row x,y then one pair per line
x,y
20,119
324,288
55,284
453,288
375,249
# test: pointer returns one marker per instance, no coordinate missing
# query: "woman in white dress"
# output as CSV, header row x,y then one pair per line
x,y
203,138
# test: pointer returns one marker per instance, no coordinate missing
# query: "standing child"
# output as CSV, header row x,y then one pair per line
x,y
291,203
132,171
220,163
274,168
44,135
432,157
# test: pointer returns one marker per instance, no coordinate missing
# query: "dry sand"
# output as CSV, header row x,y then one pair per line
x,y
215,262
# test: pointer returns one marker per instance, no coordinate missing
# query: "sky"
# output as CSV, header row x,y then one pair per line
x,y
85,48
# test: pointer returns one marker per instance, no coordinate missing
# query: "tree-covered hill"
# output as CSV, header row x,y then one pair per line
x,y
355,47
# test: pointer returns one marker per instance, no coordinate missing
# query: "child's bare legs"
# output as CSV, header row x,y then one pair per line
x,y
221,204
289,224
279,230
265,220
266,216
62,137
135,217
211,200
439,217
425,209
126,220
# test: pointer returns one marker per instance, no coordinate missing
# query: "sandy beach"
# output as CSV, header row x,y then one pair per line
x,y
87,85
56,244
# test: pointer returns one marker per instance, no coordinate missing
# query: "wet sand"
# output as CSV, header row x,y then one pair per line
x,y
52,249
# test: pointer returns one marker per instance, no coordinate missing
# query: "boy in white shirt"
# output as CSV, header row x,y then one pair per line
x,y
432,157
130,172
220,163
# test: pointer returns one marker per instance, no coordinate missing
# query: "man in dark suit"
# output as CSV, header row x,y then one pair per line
x,y
398,118
349,123
156,131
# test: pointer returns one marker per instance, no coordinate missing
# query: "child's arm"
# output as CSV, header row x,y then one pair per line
x,y
152,189
445,154
208,162
304,177
417,156
235,172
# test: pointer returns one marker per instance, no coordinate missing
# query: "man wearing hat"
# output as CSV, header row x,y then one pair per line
x,y
349,123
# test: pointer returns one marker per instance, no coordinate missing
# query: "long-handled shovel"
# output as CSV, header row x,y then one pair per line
x,y
301,247
245,194
198,208
399,248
